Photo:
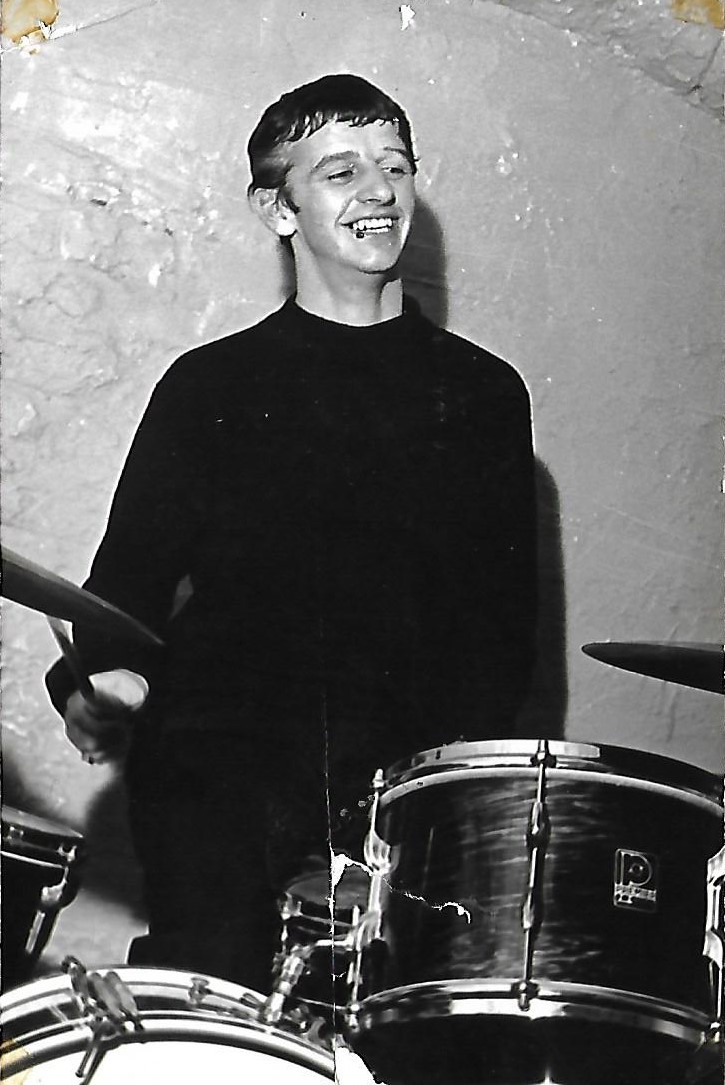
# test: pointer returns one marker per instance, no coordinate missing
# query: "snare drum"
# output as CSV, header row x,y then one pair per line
x,y
538,914
192,1029
308,922
39,877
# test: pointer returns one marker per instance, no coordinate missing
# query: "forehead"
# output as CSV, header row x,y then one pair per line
x,y
342,137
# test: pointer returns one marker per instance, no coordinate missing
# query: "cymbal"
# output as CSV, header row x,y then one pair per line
x,y
701,666
32,586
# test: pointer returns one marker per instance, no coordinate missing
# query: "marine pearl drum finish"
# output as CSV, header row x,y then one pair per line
x,y
539,914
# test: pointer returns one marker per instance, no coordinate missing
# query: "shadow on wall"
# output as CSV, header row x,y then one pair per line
x,y
544,714
424,265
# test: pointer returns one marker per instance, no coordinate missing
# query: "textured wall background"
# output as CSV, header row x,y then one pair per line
x,y
571,212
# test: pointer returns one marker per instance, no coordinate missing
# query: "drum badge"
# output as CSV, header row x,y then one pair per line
x,y
635,880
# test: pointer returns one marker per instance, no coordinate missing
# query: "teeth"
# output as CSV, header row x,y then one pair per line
x,y
366,225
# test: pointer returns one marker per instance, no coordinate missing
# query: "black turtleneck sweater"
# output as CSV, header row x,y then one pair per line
x,y
354,509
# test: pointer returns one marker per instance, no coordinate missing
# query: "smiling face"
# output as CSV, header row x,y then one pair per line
x,y
348,200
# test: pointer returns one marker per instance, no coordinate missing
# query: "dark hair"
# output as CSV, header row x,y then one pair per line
x,y
305,109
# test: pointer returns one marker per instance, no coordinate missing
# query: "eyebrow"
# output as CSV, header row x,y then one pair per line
x,y
345,156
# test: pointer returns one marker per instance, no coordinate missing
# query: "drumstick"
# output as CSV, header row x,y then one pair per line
x,y
70,654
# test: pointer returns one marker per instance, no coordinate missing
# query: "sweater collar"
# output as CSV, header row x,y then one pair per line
x,y
317,328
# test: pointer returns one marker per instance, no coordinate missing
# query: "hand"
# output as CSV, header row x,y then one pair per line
x,y
101,728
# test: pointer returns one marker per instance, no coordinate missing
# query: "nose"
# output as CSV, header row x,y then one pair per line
x,y
376,187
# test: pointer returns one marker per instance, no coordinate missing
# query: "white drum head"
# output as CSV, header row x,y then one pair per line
x,y
183,1039
183,1062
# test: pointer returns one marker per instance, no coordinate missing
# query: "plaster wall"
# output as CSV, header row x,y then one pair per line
x,y
570,221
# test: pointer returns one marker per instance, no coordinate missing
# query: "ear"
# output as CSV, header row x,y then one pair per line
x,y
273,209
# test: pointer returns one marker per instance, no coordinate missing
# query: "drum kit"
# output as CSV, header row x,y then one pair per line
x,y
528,911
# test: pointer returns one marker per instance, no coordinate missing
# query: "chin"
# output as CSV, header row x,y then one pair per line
x,y
379,263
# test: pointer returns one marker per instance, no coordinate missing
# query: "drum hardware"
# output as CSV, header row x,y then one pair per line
x,y
40,861
292,967
714,945
52,899
295,963
197,992
190,1028
109,1007
377,858
537,834
318,925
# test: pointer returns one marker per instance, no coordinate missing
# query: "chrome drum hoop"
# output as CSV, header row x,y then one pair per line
x,y
43,1021
493,758
497,998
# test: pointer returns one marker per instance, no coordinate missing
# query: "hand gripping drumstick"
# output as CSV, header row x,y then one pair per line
x,y
70,655
83,683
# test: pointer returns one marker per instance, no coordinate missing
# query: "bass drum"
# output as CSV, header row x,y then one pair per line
x,y
191,1029
539,915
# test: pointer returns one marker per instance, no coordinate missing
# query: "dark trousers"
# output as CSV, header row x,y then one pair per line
x,y
199,813
221,823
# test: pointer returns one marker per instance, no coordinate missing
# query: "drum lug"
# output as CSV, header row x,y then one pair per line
x,y
107,1005
197,992
537,836
54,897
714,944
366,929
376,850
525,991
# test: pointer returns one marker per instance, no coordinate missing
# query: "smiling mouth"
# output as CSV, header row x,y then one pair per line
x,y
364,227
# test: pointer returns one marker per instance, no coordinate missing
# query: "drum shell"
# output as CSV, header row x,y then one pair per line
x,y
619,994
463,842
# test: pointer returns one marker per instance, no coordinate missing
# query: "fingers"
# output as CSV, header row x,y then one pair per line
x,y
100,727
100,730
97,748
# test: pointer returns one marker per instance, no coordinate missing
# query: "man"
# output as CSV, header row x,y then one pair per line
x,y
349,492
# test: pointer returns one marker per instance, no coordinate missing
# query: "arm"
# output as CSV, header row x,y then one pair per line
x,y
502,606
154,525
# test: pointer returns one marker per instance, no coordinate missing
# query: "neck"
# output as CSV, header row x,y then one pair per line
x,y
370,299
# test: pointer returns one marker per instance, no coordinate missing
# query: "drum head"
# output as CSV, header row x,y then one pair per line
x,y
351,889
193,1030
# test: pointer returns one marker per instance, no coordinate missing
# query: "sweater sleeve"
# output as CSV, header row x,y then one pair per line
x,y
153,528
500,606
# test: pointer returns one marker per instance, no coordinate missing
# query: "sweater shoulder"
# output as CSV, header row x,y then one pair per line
x,y
471,361
213,359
